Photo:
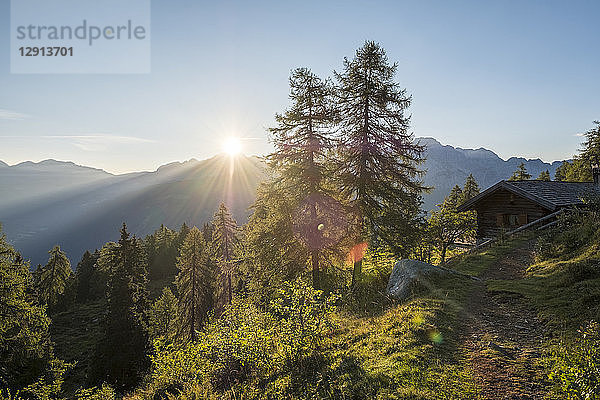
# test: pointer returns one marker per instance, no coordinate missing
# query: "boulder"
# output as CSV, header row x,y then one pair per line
x,y
409,276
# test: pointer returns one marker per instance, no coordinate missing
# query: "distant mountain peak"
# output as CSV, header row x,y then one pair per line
x,y
56,165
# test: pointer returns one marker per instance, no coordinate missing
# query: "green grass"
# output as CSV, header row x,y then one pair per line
x,y
410,349
564,289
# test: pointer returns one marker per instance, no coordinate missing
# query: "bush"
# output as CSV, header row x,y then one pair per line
x,y
228,351
303,320
576,365
574,231
104,392
246,348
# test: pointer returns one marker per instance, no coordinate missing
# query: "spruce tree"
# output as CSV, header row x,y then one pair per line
x,y
194,284
85,276
378,159
520,174
471,189
454,199
54,277
163,314
224,243
161,247
591,146
544,176
121,356
181,235
302,138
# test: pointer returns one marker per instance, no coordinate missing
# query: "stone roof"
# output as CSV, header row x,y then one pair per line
x,y
549,194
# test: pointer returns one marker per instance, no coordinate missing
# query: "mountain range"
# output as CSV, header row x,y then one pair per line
x,y
80,208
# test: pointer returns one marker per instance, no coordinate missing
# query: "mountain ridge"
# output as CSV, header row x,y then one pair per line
x,y
80,208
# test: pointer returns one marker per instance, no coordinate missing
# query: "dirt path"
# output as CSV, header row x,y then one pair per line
x,y
503,336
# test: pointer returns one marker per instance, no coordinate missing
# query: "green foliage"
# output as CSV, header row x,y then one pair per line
x,y
272,253
470,190
195,285
303,314
225,245
49,384
447,225
25,347
90,280
103,392
544,176
162,249
520,174
246,348
580,169
591,146
378,161
76,333
54,277
163,314
576,365
229,350
577,170
121,354
302,139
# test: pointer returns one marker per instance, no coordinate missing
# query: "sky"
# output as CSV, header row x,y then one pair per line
x,y
517,77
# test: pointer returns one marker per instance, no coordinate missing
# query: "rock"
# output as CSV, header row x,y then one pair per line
x,y
409,276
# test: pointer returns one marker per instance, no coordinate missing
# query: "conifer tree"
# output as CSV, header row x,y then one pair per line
x,y
454,199
194,284
471,189
520,174
544,176
301,138
163,314
224,242
54,277
181,235
86,277
591,146
25,346
378,159
161,249
121,355
273,253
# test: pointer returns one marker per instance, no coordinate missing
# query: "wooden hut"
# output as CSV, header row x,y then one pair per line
x,y
510,204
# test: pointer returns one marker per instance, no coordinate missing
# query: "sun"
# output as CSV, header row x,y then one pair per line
x,y
232,146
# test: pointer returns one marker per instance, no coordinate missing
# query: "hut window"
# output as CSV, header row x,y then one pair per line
x,y
523,219
510,220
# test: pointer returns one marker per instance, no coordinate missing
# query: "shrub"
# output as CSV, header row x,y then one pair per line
x,y
227,352
303,320
245,348
576,365
104,392
575,230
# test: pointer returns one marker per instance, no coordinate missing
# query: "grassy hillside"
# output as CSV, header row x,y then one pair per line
x,y
422,348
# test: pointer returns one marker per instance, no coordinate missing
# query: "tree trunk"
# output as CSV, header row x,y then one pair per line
x,y
315,269
230,297
444,247
356,272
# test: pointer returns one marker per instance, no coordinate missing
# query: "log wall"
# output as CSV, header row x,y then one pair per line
x,y
505,210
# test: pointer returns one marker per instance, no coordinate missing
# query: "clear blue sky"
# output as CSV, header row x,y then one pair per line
x,y
518,77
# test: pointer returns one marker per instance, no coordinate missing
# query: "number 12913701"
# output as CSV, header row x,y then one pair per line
x,y
46,51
